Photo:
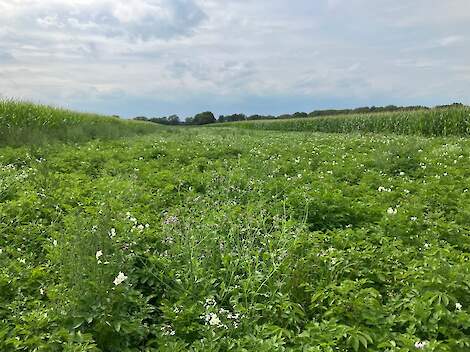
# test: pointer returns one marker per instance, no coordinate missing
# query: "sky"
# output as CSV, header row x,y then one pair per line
x,y
162,57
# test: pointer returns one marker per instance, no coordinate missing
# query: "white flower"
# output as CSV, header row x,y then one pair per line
x,y
54,243
212,319
98,255
167,330
41,291
420,344
391,211
120,278
171,220
413,218
112,232
458,306
210,302
140,227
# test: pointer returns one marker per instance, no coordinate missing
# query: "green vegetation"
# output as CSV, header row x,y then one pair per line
x,y
453,121
225,239
26,123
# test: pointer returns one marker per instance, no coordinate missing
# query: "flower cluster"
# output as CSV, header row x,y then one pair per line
x,y
219,317
167,330
420,344
170,220
136,225
120,278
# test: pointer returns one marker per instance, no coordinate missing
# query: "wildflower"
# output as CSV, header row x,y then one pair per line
x,y
167,330
391,211
41,291
420,344
413,218
210,302
140,227
212,319
112,233
233,316
54,243
458,306
98,255
171,220
120,278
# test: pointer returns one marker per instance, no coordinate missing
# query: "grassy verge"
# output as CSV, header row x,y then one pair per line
x,y
436,122
24,123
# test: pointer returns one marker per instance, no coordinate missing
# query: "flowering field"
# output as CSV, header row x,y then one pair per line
x,y
226,239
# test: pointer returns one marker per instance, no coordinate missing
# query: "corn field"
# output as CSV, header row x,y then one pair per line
x,y
26,123
435,122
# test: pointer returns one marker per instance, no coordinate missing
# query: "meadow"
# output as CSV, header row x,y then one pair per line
x,y
235,239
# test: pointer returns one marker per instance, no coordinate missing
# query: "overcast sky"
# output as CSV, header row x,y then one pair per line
x,y
161,57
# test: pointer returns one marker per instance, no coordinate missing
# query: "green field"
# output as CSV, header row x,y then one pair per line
x,y
26,123
232,239
453,121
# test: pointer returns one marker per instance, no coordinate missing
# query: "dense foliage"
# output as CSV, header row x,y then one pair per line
x,y
233,240
451,121
26,123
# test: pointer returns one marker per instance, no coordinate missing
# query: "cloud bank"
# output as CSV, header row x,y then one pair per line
x,y
158,57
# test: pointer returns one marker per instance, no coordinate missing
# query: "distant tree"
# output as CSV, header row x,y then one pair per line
x,y
173,120
260,117
232,118
141,118
160,120
453,105
300,115
204,118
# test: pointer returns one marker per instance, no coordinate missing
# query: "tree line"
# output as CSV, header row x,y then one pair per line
x,y
208,117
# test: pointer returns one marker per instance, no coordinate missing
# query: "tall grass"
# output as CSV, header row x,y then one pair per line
x,y
435,122
23,123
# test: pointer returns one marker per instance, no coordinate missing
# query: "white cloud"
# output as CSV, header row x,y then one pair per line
x,y
451,40
346,52
134,19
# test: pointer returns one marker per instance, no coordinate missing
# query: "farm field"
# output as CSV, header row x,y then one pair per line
x,y
450,121
231,239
